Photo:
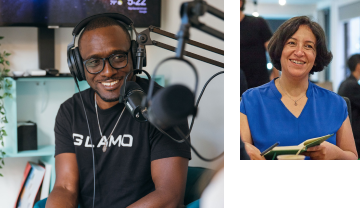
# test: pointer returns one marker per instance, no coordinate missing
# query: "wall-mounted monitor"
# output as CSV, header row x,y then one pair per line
x,y
67,13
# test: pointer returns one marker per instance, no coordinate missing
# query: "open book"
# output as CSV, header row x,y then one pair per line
x,y
292,150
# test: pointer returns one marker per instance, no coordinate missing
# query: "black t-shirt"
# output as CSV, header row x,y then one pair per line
x,y
243,83
350,88
123,172
254,33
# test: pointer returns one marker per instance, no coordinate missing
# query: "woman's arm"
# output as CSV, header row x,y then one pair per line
x,y
344,150
345,140
245,135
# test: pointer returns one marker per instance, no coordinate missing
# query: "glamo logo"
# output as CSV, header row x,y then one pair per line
x,y
114,2
125,140
136,2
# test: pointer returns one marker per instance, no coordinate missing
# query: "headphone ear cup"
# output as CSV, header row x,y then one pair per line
x,y
71,62
134,46
79,65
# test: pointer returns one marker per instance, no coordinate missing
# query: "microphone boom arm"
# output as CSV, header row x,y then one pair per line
x,y
191,42
189,54
143,38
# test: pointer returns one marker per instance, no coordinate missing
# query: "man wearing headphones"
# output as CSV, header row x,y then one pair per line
x,y
135,165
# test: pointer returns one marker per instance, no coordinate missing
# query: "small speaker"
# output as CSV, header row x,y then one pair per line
x,y
27,136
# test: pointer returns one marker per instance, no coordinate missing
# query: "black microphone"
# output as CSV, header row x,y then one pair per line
x,y
132,100
170,106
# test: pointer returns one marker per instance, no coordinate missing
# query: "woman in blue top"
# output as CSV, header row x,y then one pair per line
x,y
291,109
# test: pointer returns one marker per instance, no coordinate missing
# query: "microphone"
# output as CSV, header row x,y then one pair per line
x,y
170,106
132,100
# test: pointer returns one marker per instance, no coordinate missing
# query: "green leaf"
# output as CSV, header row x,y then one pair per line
x,y
0,167
7,54
1,37
3,162
7,70
1,175
2,143
4,134
3,153
8,63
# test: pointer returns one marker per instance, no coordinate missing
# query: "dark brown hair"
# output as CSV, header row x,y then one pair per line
x,y
353,61
243,5
289,28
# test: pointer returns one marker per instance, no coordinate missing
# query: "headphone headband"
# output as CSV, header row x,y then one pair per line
x,y
115,16
73,55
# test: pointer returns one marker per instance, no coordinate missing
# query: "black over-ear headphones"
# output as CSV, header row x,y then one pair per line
x,y
74,59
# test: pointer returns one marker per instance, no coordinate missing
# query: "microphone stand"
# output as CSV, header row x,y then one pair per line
x,y
190,12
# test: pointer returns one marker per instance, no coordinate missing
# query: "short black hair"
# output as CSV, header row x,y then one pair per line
x,y
242,8
353,61
104,22
289,28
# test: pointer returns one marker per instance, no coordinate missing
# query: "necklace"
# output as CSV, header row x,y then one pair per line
x,y
106,140
295,101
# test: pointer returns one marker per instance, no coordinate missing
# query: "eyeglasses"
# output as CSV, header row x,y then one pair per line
x,y
116,61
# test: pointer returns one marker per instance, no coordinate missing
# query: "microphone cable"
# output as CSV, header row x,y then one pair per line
x,y
181,134
92,146
199,98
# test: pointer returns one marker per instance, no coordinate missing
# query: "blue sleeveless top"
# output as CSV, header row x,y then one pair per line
x,y
270,121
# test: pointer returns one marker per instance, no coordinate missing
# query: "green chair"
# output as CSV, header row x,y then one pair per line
x,y
347,100
197,180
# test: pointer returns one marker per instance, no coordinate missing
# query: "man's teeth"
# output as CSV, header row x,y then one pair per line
x,y
110,83
297,62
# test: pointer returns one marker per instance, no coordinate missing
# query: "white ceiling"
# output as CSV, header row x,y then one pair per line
x,y
290,1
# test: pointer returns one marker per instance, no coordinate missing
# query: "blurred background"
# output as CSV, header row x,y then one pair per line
x,y
340,20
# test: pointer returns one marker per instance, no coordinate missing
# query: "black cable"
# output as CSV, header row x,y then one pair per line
x,y
162,131
198,100
181,134
178,130
92,146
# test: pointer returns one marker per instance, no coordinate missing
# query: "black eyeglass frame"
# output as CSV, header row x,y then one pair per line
x,y
108,59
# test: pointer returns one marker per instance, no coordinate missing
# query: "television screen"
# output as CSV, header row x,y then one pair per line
x,y
67,13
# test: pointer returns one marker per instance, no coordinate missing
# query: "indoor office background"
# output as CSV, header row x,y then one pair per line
x,y
42,103
339,19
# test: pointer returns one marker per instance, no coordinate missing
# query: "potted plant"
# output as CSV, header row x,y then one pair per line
x,y
4,85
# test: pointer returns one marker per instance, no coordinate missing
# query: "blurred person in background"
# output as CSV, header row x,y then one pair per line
x,y
254,38
350,88
213,195
243,83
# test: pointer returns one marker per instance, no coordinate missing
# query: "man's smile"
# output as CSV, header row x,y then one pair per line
x,y
111,84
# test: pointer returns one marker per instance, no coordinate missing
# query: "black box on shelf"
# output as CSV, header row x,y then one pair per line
x,y
27,136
